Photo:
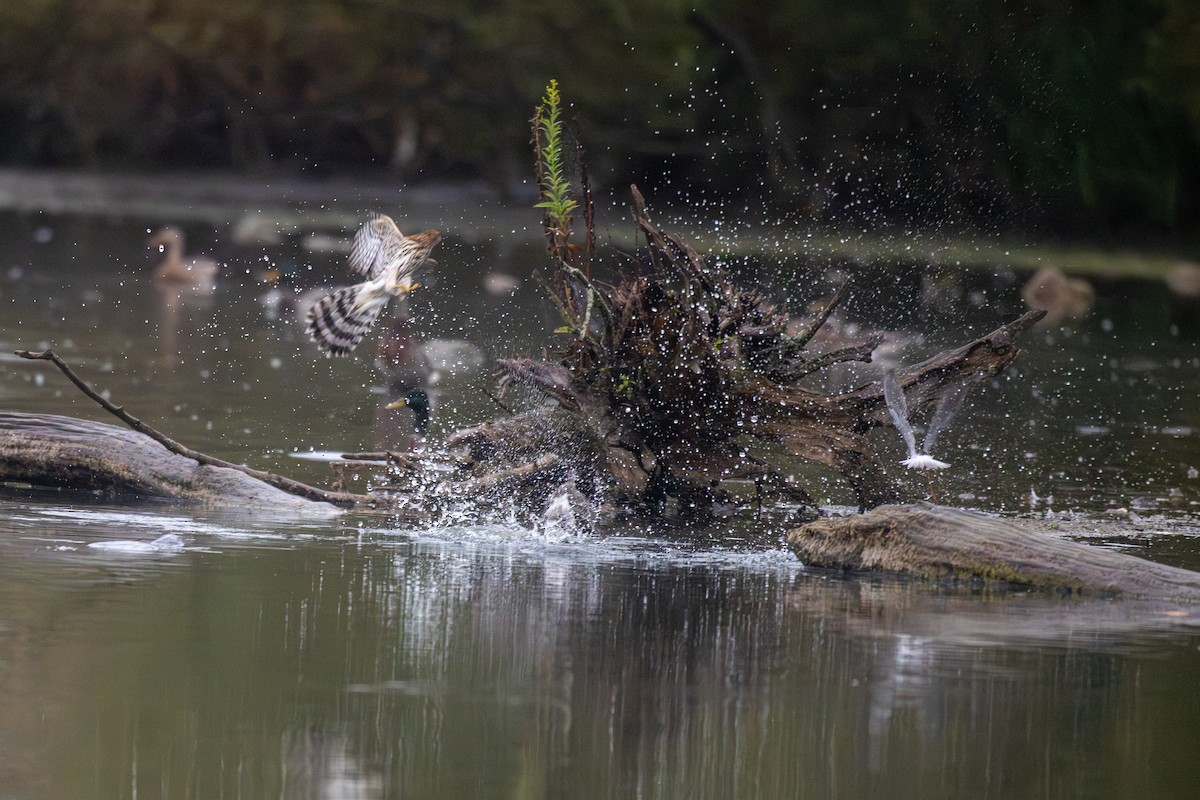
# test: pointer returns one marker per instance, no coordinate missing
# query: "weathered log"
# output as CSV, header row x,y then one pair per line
x,y
938,543
49,450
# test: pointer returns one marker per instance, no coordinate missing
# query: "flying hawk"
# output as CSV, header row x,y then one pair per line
x,y
388,259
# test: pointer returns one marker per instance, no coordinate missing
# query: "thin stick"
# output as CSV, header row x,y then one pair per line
x,y
388,457
803,337
344,499
496,400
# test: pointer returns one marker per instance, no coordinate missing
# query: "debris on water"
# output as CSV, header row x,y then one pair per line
x,y
500,284
167,544
1092,430
1123,513
1179,431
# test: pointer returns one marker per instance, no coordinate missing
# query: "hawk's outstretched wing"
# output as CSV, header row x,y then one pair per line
x,y
388,259
375,246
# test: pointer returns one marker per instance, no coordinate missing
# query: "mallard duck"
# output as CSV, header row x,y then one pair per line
x,y
388,259
1063,298
197,275
418,401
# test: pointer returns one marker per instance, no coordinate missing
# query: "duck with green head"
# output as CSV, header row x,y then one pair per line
x,y
418,401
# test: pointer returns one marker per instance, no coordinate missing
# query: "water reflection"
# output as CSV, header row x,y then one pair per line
x,y
489,663
318,765
179,314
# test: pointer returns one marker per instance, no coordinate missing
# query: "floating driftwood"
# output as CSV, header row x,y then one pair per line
x,y
938,543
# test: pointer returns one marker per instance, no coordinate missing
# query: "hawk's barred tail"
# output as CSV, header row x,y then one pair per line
x,y
334,324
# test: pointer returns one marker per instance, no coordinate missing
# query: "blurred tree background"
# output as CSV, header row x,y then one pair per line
x,y
1086,114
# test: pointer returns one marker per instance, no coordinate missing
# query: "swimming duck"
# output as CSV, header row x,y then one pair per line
x,y
196,275
1063,298
418,401
1183,280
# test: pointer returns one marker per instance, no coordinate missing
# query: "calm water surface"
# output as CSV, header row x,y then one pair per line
x,y
348,658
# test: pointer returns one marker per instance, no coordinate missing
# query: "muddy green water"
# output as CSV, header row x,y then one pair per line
x,y
347,657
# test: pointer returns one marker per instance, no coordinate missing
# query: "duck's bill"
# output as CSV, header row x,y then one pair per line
x,y
401,403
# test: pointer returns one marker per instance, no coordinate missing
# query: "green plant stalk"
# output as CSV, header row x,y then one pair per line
x,y
579,303
555,188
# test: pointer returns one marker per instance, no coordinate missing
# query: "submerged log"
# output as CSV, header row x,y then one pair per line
x,y
64,452
945,544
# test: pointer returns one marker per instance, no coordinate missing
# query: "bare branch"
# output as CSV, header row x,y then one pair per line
x,y
803,337
344,499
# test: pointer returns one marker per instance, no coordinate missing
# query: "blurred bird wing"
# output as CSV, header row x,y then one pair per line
x,y
943,413
375,246
339,320
897,405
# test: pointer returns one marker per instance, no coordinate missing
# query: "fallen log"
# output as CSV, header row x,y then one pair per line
x,y
77,454
288,485
944,544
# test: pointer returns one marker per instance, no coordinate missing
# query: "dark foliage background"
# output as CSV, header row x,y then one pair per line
x,y
1084,115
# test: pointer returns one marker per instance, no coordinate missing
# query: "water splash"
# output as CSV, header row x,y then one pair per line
x,y
947,406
